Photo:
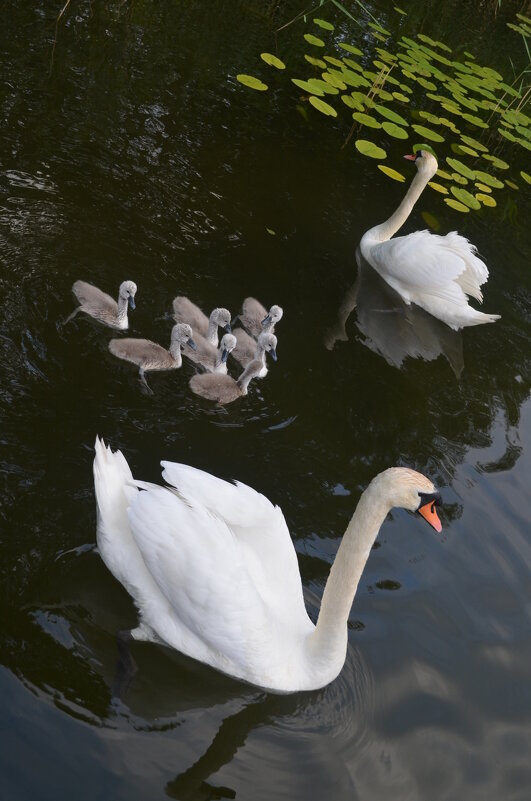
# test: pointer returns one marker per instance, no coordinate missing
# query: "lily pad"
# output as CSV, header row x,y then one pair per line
x,y
444,175
365,119
252,82
333,80
496,162
485,200
430,220
474,143
511,184
477,121
323,107
525,176
438,187
465,197
367,148
394,130
455,204
490,180
352,103
306,86
314,40
273,61
390,115
427,133
316,62
400,97
323,23
483,187
394,174
335,61
319,87
350,48
459,179
461,168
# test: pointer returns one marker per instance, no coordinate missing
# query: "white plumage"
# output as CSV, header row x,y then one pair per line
x,y
214,573
435,272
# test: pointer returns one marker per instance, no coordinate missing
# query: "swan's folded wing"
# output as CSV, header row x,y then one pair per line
x,y
184,311
91,296
197,564
417,262
251,315
259,527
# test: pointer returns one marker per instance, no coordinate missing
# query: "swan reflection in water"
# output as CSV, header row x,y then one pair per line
x,y
392,328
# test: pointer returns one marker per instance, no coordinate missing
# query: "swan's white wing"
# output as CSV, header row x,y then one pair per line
x,y
260,529
197,563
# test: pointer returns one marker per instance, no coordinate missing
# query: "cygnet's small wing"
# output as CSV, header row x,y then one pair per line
x,y
251,316
205,353
184,311
93,299
215,387
246,347
142,352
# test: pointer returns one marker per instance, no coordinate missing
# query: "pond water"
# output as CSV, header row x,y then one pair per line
x,y
132,152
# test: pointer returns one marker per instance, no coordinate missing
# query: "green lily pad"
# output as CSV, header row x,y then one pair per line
x,y
323,107
490,180
364,119
352,64
425,115
273,61
306,86
252,82
390,115
455,204
465,197
438,187
526,176
367,148
332,80
461,168
314,40
428,134
495,161
463,150
507,134
394,174
322,23
485,200
444,175
431,221
319,87
474,143
483,187
376,27
427,84
402,98
511,184
459,179
352,103
350,48
316,62
394,130
352,78
335,61
477,121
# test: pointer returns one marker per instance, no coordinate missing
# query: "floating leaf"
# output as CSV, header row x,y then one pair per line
x,y
483,187
395,130
427,84
376,27
394,174
367,148
370,122
353,78
350,49
496,162
507,135
474,143
465,197
477,121
463,150
438,187
511,184
306,86
427,133
323,107
390,115
461,168
459,179
251,82
444,175
526,176
271,232
429,117
490,180
468,55
401,97
322,23
273,61
319,87
316,62
486,200
333,80
430,220
455,204
335,61
353,64
399,10
351,102
314,40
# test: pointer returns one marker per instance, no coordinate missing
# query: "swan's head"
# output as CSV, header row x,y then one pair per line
x,y
182,334
272,317
128,292
268,342
222,318
227,345
410,490
425,162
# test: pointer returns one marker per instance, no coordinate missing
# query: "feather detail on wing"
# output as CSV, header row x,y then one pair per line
x,y
184,311
92,297
251,316
140,351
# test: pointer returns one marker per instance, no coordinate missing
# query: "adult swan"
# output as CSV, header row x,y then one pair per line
x,y
435,272
214,574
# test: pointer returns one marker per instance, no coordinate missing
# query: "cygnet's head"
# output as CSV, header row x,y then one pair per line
x,y
182,333
268,342
227,345
272,317
222,318
410,490
425,162
128,292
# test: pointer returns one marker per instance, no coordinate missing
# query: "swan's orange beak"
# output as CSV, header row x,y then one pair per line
x,y
410,158
429,513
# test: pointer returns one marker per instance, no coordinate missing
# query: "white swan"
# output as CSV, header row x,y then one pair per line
x,y
256,319
248,349
435,272
184,311
101,306
148,355
214,574
212,359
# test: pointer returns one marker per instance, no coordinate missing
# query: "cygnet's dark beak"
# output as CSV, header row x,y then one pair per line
x,y
132,302
273,354
267,320
192,344
227,329
224,355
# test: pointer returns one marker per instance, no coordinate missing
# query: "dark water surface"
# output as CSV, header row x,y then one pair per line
x,y
140,157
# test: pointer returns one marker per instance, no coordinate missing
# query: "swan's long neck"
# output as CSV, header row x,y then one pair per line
x,y
212,333
386,229
175,352
330,635
250,372
121,317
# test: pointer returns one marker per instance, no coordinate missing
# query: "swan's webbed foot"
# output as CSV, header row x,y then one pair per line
x,y
126,667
